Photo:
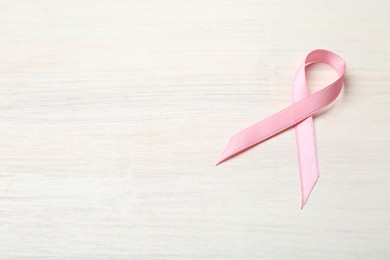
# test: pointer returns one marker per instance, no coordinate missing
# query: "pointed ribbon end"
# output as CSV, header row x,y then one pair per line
x,y
226,154
306,190
221,159
303,202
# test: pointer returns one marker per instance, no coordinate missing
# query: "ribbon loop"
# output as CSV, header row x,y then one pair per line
x,y
299,114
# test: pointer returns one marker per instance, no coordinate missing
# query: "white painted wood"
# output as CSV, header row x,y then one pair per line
x,y
113,114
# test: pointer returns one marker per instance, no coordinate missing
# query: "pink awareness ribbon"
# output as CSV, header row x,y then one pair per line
x,y
299,114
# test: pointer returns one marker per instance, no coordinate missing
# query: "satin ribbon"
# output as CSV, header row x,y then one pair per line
x,y
299,114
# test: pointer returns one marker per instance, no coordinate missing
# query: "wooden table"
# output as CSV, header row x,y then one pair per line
x,y
113,114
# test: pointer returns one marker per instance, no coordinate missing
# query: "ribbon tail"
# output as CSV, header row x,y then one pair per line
x,y
307,158
306,141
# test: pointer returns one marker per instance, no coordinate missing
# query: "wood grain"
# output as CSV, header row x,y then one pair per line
x,y
113,114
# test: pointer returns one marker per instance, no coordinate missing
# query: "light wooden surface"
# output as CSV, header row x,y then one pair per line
x,y
113,114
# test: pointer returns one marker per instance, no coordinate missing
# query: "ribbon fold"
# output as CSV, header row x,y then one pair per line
x,y
299,114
